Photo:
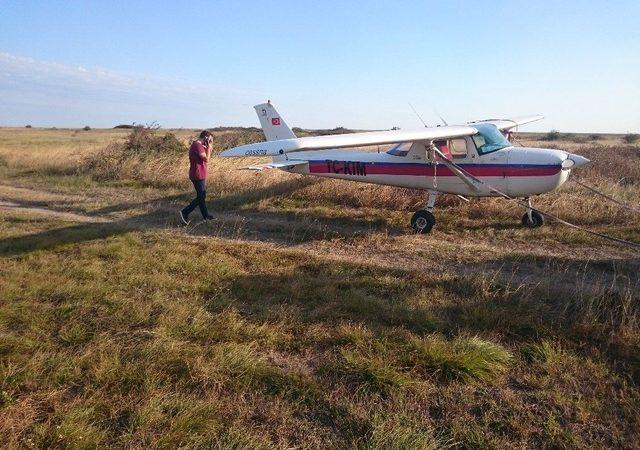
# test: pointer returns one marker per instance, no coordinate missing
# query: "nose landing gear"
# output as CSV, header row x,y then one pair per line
x,y
532,219
423,220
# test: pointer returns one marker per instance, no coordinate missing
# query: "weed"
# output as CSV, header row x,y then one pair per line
x,y
630,138
136,334
463,358
552,135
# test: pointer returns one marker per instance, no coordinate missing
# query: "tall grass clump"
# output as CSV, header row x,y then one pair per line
x,y
146,155
401,433
610,165
630,138
465,358
230,139
552,135
371,373
543,351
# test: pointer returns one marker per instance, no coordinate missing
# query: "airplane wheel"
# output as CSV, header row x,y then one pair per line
x,y
537,220
423,221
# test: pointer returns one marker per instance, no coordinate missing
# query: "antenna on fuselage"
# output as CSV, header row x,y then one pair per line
x,y
416,112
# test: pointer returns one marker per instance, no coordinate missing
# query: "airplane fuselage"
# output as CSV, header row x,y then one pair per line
x,y
517,171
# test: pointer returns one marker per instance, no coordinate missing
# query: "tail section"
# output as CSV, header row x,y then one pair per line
x,y
273,125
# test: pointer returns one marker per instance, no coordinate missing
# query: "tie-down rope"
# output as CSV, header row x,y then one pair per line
x,y
554,217
608,197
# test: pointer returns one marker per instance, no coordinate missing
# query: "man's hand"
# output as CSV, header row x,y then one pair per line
x,y
207,144
207,154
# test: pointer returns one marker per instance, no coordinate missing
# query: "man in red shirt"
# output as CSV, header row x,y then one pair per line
x,y
199,155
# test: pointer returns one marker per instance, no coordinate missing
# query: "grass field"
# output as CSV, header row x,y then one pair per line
x,y
307,315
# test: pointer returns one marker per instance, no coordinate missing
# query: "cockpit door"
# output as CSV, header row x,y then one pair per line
x,y
492,168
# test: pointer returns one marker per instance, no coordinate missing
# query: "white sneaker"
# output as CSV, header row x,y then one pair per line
x,y
183,219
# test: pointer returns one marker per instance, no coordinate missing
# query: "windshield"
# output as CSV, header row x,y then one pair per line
x,y
489,138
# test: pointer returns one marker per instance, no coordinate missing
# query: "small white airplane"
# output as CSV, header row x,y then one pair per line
x,y
471,160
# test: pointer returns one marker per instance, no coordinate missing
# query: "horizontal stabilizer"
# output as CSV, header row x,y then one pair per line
x,y
285,165
280,147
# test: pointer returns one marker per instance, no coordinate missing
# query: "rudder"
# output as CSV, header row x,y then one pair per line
x,y
273,126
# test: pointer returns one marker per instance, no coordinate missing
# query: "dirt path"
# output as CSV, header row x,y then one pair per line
x,y
61,215
324,238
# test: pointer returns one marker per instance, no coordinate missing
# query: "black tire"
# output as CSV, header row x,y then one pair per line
x,y
422,221
537,220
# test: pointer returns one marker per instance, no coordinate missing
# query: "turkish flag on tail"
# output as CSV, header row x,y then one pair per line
x,y
275,121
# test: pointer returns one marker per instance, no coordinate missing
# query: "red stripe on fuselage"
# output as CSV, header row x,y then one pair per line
x,y
417,169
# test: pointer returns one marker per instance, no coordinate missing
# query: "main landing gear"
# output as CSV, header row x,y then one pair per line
x,y
532,219
423,220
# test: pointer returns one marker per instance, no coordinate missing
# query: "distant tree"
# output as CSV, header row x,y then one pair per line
x,y
630,138
28,126
552,135
579,139
87,128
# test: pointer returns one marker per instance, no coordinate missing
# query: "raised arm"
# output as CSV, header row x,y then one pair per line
x,y
204,151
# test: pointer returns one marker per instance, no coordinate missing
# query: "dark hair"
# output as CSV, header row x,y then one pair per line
x,y
205,134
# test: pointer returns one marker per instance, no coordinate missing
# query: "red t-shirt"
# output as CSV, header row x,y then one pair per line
x,y
197,165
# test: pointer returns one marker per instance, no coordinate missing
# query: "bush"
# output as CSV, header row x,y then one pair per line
x,y
552,135
87,128
145,155
235,139
144,142
595,137
28,126
123,126
336,130
630,138
237,129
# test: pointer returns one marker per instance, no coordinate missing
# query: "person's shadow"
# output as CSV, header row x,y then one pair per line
x,y
232,220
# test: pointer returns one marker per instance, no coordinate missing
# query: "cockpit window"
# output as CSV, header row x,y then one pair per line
x,y
489,138
400,149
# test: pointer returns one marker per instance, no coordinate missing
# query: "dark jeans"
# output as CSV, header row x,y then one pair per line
x,y
201,194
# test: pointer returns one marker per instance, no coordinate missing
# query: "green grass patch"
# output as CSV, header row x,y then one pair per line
x,y
155,339
463,358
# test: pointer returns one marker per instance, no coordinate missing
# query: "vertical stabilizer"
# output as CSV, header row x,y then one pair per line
x,y
274,127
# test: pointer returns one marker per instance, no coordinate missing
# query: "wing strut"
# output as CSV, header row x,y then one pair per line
x,y
470,181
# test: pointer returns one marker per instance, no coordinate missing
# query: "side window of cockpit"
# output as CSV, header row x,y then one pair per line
x,y
479,140
458,148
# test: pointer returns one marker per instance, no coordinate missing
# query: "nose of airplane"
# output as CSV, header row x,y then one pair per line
x,y
579,160
574,161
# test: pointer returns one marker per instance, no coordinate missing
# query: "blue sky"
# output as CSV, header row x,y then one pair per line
x,y
324,64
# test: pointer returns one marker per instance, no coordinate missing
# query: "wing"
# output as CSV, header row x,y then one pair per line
x,y
280,147
288,165
507,124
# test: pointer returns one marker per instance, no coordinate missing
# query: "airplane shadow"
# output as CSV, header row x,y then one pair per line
x,y
325,294
320,293
232,221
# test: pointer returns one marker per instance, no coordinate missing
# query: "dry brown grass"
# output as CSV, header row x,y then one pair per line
x,y
307,317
